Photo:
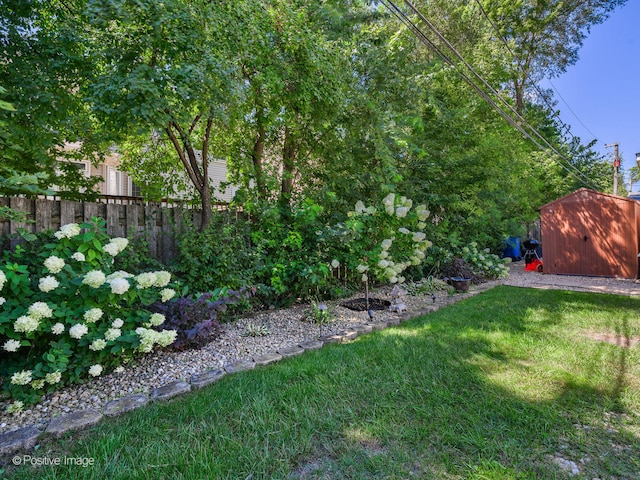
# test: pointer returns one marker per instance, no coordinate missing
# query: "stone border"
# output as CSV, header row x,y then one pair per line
x,y
26,438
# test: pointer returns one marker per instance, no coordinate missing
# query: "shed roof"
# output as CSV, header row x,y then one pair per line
x,y
586,192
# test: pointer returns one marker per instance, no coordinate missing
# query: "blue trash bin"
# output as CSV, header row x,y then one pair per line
x,y
512,248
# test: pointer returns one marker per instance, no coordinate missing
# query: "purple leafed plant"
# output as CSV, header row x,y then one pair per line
x,y
196,319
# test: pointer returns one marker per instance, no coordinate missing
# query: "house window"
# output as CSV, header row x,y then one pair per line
x,y
114,181
134,189
84,167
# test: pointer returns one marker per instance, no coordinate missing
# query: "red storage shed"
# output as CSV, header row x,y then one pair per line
x,y
591,233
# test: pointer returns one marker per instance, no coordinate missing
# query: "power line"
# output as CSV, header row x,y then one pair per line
x,y
518,125
540,93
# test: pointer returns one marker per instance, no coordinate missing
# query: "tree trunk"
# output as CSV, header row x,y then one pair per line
x,y
257,155
288,166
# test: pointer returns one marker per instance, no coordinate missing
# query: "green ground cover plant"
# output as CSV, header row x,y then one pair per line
x,y
504,385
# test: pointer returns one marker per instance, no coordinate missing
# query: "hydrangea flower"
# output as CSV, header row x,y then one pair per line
x,y
57,329
95,370
162,278
79,257
360,208
404,231
401,212
37,384
54,264
94,278
119,286
53,378
93,315
156,319
22,378
362,268
167,294
149,337
145,280
112,334
98,344
40,310
15,407
117,323
26,324
67,231
2,300
418,236
112,249
422,212
11,345
3,279
335,263
78,331
386,244
119,274
48,283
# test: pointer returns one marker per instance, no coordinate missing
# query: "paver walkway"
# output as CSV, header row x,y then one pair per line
x,y
519,277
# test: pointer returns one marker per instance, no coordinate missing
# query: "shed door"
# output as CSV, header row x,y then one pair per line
x,y
591,239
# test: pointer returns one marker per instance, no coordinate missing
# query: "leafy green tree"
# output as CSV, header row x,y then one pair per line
x,y
545,36
43,64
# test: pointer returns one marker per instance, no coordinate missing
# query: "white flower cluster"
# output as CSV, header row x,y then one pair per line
x,y
11,345
93,315
40,310
57,329
67,231
115,246
95,370
167,294
3,279
94,278
48,283
156,319
26,324
119,285
98,344
54,264
78,331
53,377
150,337
22,378
112,334
79,257
153,279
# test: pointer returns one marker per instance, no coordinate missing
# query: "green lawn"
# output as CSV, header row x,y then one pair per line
x,y
493,387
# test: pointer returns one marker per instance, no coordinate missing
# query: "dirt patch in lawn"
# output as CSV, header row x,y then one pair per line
x,y
614,339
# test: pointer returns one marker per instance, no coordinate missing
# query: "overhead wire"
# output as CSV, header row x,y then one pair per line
x,y
401,15
537,89
521,120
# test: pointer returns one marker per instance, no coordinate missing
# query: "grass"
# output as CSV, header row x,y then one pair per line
x,y
499,386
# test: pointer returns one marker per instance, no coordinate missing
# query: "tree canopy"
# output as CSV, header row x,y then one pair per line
x,y
328,101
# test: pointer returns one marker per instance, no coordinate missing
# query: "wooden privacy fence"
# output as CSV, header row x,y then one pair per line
x,y
154,222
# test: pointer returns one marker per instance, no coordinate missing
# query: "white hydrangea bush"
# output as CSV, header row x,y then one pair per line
x,y
485,264
66,316
381,241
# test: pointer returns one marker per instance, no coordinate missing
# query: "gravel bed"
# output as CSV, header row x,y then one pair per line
x,y
287,327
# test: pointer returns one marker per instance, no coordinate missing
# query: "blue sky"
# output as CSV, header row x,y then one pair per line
x,y
603,87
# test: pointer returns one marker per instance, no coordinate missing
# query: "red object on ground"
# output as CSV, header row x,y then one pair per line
x,y
534,266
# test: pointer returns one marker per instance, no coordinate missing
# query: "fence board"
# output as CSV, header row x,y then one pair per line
x,y
67,212
43,214
154,222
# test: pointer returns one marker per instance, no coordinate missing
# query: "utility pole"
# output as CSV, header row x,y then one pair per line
x,y
616,166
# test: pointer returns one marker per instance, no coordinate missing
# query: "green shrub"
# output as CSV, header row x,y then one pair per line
x,y
485,264
66,315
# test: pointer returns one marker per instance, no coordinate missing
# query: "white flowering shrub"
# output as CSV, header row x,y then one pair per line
x,y
485,264
66,316
382,241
